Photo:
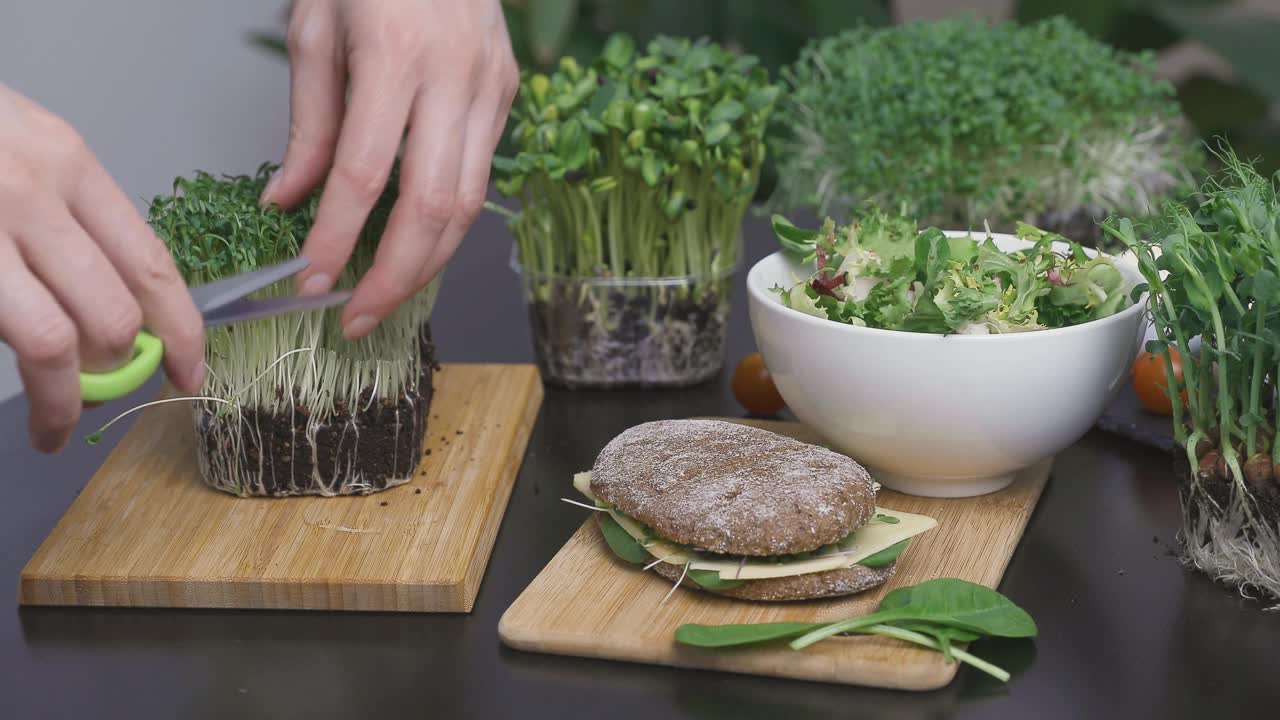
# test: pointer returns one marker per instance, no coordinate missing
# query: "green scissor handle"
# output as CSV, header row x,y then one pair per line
x,y
113,384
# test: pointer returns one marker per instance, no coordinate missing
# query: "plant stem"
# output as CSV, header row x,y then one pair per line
x,y
914,637
1255,388
843,626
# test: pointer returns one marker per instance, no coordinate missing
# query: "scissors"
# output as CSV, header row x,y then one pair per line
x,y
221,302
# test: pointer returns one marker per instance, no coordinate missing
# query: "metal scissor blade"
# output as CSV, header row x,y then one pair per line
x,y
220,293
242,310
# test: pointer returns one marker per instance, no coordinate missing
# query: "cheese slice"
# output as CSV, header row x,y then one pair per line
x,y
861,544
659,549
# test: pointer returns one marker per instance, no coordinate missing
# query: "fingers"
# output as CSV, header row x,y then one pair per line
x,y
427,212
484,130
147,270
370,135
447,72
45,340
317,78
86,286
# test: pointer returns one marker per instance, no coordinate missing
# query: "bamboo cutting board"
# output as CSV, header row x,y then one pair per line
x,y
146,532
588,603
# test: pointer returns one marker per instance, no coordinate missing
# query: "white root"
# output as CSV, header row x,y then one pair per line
x,y
579,504
1232,545
317,380
670,592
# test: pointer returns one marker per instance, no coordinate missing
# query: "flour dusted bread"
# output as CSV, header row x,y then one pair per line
x,y
732,489
738,511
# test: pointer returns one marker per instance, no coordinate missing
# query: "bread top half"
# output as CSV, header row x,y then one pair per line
x,y
733,489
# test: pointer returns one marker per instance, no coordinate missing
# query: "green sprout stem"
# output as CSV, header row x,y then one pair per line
x,y
1255,380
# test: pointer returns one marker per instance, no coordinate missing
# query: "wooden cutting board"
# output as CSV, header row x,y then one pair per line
x,y
146,532
588,603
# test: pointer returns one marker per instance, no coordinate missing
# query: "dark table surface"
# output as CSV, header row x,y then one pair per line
x,y
1125,630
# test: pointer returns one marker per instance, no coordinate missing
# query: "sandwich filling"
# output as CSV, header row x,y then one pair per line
x,y
875,544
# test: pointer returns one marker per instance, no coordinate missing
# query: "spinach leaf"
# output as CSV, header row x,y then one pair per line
x,y
715,636
947,602
621,542
960,604
885,556
794,240
961,610
935,614
711,580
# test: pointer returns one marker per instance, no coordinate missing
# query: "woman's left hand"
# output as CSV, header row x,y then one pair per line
x,y
444,70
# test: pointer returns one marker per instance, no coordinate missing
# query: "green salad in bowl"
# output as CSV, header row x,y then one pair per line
x,y
881,272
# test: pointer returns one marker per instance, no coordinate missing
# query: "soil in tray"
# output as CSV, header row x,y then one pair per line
x,y
634,338
352,451
1266,498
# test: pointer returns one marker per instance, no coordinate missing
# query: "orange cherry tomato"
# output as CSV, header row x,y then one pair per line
x,y
754,388
1151,384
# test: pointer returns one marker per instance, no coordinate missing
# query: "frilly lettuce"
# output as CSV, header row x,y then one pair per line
x,y
880,272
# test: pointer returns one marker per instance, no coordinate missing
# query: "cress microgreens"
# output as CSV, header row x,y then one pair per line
x,y
215,227
1213,270
879,272
934,614
296,366
968,122
640,165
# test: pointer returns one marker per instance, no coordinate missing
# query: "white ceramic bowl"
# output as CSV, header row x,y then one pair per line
x,y
942,416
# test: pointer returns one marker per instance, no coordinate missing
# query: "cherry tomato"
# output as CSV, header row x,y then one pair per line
x,y
1151,384
754,388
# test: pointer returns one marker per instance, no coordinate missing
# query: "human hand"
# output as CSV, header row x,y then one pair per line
x,y
80,272
444,70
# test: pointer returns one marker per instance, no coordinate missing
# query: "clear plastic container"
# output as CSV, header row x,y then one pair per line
x,y
628,332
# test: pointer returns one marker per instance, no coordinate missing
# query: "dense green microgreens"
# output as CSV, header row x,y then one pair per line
x,y
934,614
215,227
641,165
1214,276
880,272
968,122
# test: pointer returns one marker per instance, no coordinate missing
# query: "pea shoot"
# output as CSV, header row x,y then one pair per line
x,y
1213,274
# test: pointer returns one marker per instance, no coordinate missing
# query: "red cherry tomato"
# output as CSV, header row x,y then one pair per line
x,y
754,388
1151,384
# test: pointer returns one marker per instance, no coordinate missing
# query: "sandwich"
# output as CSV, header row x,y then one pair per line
x,y
738,511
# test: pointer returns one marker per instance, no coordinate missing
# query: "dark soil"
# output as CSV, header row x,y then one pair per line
x,y
376,444
1222,490
634,338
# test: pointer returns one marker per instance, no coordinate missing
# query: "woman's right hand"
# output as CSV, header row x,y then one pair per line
x,y
80,272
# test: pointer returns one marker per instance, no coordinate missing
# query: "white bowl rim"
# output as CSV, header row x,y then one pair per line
x,y
766,298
